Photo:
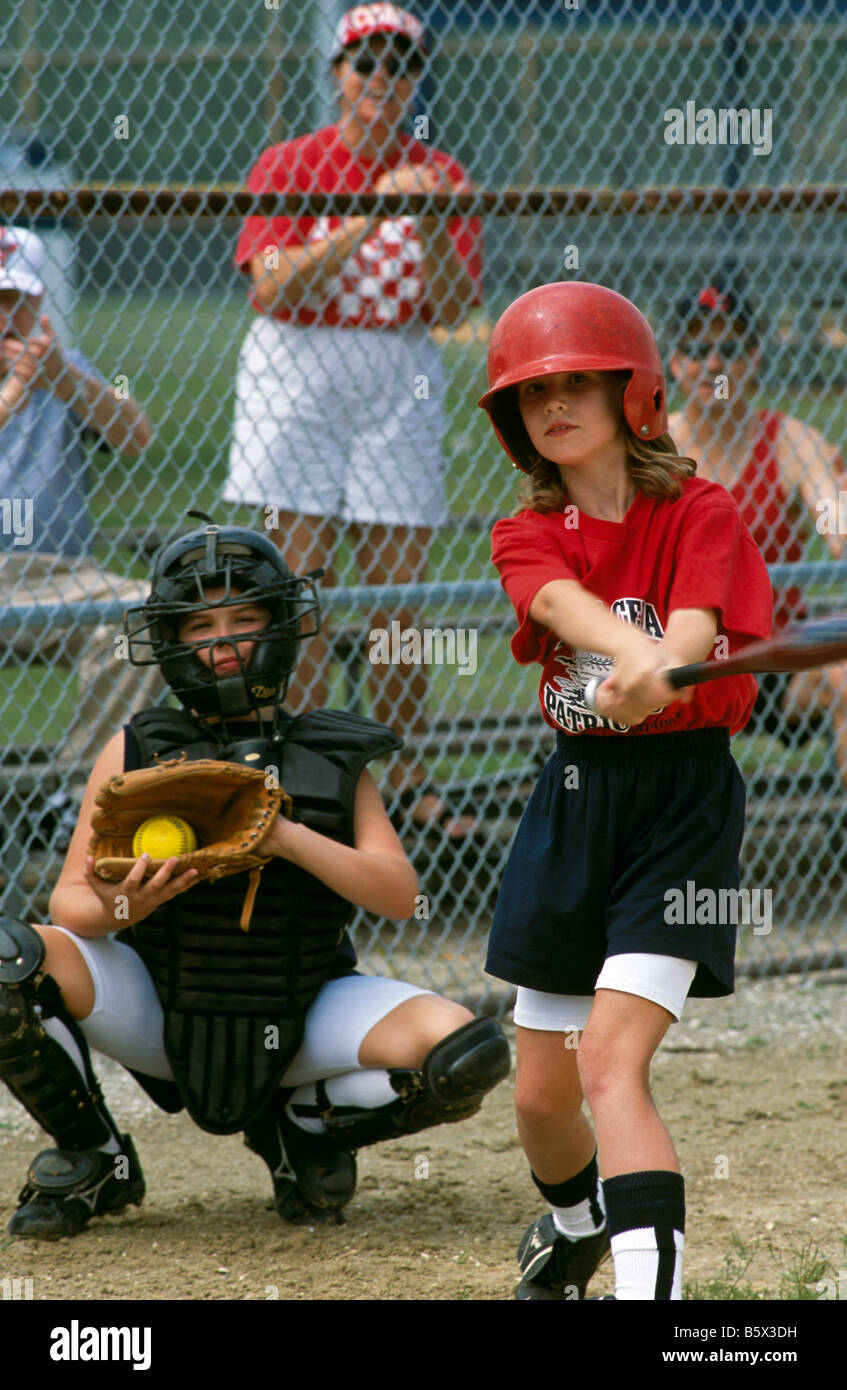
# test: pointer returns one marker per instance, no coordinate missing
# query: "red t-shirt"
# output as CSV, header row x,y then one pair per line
x,y
691,552
381,284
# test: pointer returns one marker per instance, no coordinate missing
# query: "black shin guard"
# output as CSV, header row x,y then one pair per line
x,y
455,1076
36,1068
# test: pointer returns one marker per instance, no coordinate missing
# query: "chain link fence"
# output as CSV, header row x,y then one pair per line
x,y
678,152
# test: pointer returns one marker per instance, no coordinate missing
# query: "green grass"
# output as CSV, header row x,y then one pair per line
x,y
180,359
180,356
47,694
796,1272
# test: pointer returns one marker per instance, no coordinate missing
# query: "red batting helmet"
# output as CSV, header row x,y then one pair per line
x,y
572,326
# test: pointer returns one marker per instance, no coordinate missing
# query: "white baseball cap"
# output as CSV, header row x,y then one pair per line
x,y
364,21
21,261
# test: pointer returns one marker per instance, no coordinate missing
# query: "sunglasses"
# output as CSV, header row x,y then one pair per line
x,y
730,348
366,62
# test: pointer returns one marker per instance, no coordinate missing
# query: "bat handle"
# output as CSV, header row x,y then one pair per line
x,y
681,676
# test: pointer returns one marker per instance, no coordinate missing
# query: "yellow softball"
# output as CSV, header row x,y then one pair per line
x,y
162,836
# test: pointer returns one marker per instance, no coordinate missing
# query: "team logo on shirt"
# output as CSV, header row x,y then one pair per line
x,y
564,694
641,614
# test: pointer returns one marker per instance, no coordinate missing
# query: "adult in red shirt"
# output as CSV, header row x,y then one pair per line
x,y
339,413
781,472
620,564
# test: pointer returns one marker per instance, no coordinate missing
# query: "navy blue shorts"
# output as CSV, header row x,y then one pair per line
x,y
592,863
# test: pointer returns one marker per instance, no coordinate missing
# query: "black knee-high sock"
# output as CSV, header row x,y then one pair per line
x,y
646,1215
577,1202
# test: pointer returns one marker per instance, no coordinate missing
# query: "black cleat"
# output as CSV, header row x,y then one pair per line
x,y
313,1178
553,1266
66,1187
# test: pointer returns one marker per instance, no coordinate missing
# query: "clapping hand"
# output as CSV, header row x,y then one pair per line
x,y
37,361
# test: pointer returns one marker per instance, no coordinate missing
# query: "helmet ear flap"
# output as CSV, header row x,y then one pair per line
x,y
645,405
510,428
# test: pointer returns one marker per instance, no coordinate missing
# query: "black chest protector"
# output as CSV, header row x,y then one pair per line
x,y
235,1002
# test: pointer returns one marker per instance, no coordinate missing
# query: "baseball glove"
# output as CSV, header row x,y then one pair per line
x,y
228,806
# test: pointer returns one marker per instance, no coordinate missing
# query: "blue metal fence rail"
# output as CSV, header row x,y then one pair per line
x,y
37,617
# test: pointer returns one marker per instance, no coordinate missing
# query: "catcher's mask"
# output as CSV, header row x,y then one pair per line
x,y
565,327
250,569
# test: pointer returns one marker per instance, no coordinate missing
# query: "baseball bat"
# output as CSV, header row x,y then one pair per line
x,y
799,647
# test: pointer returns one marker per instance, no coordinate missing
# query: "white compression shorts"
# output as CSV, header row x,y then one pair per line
x,y
126,1022
664,980
339,422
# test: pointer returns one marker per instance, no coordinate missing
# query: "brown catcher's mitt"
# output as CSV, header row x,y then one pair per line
x,y
228,806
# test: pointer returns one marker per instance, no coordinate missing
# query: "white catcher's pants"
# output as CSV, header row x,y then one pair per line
x,y
126,1022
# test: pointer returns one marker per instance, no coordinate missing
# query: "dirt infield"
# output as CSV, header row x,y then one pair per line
x,y
754,1090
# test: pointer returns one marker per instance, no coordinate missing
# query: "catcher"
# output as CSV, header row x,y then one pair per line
x,y
224,980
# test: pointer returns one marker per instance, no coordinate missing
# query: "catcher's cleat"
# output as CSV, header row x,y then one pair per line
x,y
65,1188
555,1268
313,1178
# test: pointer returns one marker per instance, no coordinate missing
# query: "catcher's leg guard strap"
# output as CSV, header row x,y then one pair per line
x,y
455,1076
35,1067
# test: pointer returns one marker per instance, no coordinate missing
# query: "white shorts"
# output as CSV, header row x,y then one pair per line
x,y
665,980
339,422
126,1022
